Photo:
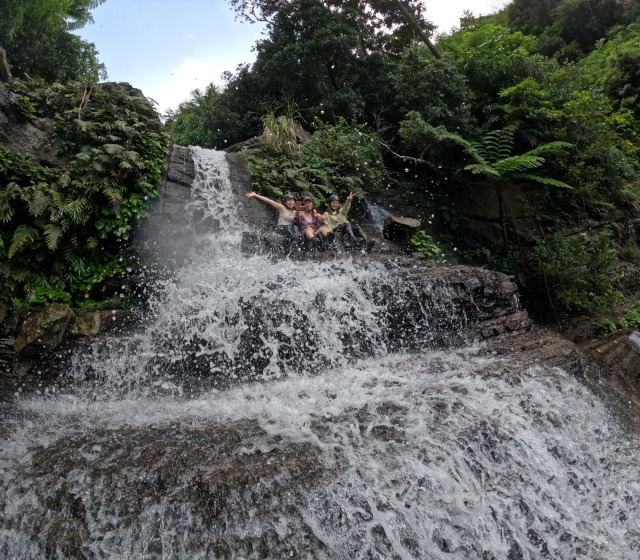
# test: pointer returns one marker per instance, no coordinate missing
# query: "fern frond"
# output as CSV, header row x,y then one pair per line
x,y
38,203
78,210
65,179
515,164
57,206
7,195
74,261
52,236
497,144
91,243
81,125
482,169
22,238
113,193
113,149
551,148
85,154
548,181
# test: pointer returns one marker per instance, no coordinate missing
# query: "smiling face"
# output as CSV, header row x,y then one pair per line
x,y
334,205
308,204
290,203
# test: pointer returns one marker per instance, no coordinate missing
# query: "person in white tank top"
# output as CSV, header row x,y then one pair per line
x,y
285,225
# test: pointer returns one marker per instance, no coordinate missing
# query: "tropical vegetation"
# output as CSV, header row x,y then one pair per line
x,y
514,136
64,229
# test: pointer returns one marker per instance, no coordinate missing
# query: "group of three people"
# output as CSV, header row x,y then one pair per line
x,y
295,218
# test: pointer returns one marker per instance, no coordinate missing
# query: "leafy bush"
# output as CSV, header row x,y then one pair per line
x,y
64,228
422,242
335,159
574,270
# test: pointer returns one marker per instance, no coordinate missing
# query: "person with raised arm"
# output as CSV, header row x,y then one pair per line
x,y
287,211
335,218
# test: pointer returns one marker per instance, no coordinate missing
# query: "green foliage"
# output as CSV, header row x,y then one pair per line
x,y
613,67
383,23
423,243
628,319
569,28
352,151
39,39
56,221
436,89
200,121
336,159
573,270
25,106
282,134
492,58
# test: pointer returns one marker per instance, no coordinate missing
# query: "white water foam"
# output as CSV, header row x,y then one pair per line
x,y
430,454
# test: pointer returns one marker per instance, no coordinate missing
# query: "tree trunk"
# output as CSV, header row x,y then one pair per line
x,y
415,24
503,221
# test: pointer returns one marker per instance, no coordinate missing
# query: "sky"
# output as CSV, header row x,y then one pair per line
x,y
167,49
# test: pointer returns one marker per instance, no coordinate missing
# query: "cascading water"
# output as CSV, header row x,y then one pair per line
x,y
271,409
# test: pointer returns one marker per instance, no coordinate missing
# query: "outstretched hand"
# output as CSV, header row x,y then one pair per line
x,y
251,194
350,197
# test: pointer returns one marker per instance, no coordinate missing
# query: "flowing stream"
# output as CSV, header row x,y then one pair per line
x,y
270,410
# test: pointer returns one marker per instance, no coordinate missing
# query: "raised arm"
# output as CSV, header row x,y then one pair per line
x,y
347,204
277,205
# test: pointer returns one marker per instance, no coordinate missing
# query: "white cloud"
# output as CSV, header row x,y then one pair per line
x,y
191,74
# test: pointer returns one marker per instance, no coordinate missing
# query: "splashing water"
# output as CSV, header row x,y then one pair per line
x,y
326,442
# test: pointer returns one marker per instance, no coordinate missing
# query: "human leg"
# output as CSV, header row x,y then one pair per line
x,y
357,232
347,230
324,231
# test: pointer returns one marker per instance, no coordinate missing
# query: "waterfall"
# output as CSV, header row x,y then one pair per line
x,y
272,409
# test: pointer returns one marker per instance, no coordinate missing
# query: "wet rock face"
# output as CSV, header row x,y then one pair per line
x,y
217,480
45,330
28,136
449,305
